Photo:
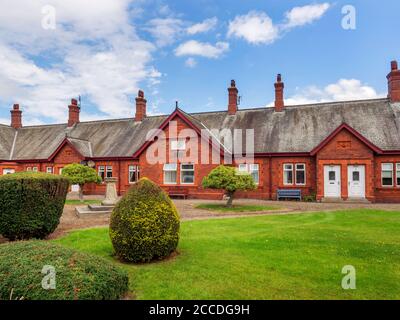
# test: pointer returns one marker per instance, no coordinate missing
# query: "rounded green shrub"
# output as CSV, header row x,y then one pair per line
x,y
24,268
31,204
144,224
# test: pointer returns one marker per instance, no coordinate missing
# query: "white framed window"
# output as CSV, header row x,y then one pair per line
x,y
102,172
35,169
60,171
109,171
398,174
300,174
170,173
252,169
49,170
133,174
178,145
187,173
288,174
29,169
387,174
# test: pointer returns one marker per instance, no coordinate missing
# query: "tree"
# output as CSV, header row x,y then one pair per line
x,y
80,175
229,180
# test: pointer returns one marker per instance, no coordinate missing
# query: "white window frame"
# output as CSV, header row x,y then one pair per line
x,y
387,185
249,168
178,145
28,168
288,170
187,170
305,174
397,174
35,169
166,169
49,171
109,169
101,169
135,170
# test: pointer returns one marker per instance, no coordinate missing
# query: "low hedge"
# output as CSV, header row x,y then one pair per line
x,y
78,276
144,224
31,204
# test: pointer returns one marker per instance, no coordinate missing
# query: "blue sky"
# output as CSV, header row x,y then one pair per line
x,y
189,51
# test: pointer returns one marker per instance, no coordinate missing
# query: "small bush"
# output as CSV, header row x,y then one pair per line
x,y
144,224
312,197
31,204
77,275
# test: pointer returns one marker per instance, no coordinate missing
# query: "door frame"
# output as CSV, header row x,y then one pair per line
x,y
338,170
362,177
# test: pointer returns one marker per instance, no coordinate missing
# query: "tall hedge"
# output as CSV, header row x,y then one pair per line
x,y
144,224
31,204
77,276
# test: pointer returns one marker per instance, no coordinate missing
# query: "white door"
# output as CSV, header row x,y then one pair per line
x,y
332,181
8,171
356,176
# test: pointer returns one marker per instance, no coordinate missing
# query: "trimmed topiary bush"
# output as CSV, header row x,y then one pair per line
x,y
144,224
77,275
31,204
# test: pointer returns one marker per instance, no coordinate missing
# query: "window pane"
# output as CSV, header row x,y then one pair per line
x,y
255,176
288,177
243,167
169,176
300,166
300,177
170,167
387,181
332,175
356,176
187,167
386,174
288,167
387,166
187,177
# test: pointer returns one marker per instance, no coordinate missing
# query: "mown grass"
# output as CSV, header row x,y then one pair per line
x,y
235,207
79,203
269,257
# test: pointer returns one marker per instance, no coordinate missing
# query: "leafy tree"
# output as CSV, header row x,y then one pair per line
x,y
230,180
80,175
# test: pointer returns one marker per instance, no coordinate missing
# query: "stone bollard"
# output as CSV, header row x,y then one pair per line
x,y
111,192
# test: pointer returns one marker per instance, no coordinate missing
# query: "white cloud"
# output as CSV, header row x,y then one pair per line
x,y
207,50
94,51
342,90
191,62
255,27
300,16
202,27
165,31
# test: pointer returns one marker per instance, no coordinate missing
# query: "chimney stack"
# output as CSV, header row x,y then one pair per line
x,y
74,110
279,85
233,99
140,106
16,117
394,83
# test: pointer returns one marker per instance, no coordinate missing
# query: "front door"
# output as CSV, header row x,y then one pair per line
x,y
356,176
8,171
332,181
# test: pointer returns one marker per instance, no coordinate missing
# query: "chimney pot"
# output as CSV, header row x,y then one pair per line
x,y
141,104
394,83
16,117
279,101
73,113
232,98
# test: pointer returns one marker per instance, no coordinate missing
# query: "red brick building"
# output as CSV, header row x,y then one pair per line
x,y
335,150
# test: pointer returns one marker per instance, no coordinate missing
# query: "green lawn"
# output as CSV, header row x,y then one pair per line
x,y
269,257
85,202
235,208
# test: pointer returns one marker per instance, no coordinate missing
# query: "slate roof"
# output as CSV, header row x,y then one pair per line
x,y
297,129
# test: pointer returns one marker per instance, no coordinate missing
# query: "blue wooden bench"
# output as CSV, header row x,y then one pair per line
x,y
289,194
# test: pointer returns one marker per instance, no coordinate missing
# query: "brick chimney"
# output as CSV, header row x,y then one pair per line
x,y
279,85
394,83
16,117
140,106
74,110
233,99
